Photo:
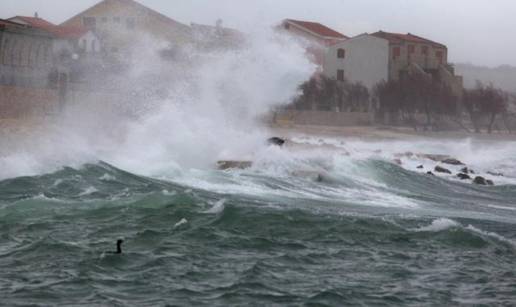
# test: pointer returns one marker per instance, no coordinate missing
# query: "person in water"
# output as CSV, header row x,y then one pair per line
x,y
118,247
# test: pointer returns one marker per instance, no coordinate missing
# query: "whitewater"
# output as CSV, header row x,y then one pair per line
x,y
325,220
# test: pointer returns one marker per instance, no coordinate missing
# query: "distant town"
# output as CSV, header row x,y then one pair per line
x,y
380,78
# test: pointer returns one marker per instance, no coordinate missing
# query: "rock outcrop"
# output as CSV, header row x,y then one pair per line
x,y
440,169
276,141
452,161
225,165
482,181
462,176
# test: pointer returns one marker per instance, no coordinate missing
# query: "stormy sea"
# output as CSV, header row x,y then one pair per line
x,y
332,222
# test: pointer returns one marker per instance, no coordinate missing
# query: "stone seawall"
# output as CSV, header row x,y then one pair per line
x,y
324,118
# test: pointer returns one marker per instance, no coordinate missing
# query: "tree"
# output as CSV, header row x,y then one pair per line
x,y
485,101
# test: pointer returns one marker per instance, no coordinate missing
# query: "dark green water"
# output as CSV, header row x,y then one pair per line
x,y
191,247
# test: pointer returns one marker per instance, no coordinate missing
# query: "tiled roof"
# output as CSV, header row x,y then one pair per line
x,y
59,31
5,22
36,22
318,29
137,6
397,38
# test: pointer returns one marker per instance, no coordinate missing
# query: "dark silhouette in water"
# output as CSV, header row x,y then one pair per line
x,y
118,247
276,141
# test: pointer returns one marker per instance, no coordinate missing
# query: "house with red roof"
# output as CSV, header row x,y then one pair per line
x,y
67,39
316,36
370,58
120,22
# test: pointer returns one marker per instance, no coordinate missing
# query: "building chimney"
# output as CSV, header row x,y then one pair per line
x,y
36,15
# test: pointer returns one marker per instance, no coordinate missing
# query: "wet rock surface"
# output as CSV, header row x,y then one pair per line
x,y
440,169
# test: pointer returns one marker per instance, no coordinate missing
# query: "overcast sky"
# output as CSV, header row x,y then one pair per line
x,y
481,32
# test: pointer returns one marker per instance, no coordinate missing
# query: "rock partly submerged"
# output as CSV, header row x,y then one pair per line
x,y
440,169
227,165
482,181
277,141
452,161
463,176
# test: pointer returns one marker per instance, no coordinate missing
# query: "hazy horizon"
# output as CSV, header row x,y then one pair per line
x,y
461,25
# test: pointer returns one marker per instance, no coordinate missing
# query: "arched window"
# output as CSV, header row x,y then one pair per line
x,y
46,55
5,52
39,55
341,53
25,54
31,55
93,46
19,54
12,54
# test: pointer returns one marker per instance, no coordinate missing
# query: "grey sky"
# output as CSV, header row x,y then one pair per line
x,y
476,31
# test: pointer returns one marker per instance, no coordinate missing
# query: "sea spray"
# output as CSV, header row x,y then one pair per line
x,y
210,107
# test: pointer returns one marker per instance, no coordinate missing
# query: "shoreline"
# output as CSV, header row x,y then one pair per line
x,y
384,133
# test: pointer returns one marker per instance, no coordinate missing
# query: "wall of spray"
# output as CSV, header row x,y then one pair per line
x,y
204,106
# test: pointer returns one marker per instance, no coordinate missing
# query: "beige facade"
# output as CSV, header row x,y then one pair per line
x,y
409,53
118,21
408,49
363,59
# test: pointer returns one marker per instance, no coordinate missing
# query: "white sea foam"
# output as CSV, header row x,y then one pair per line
x,y
107,177
169,193
88,191
438,225
180,223
218,207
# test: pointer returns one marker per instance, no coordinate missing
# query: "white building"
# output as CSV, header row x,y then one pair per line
x,y
363,58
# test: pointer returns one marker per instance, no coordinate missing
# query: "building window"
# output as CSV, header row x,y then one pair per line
x,y
340,75
424,50
19,54
341,53
5,51
13,53
116,19
396,52
89,22
32,55
131,23
411,49
439,55
104,19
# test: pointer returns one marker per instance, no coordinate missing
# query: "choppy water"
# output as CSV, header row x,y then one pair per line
x,y
371,233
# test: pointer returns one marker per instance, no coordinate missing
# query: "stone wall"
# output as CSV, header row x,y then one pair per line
x,y
19,102
323,118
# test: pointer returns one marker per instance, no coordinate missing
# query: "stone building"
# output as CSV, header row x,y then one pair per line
x,y
317,37
70,44
28,84
26,57
218,37
119,23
